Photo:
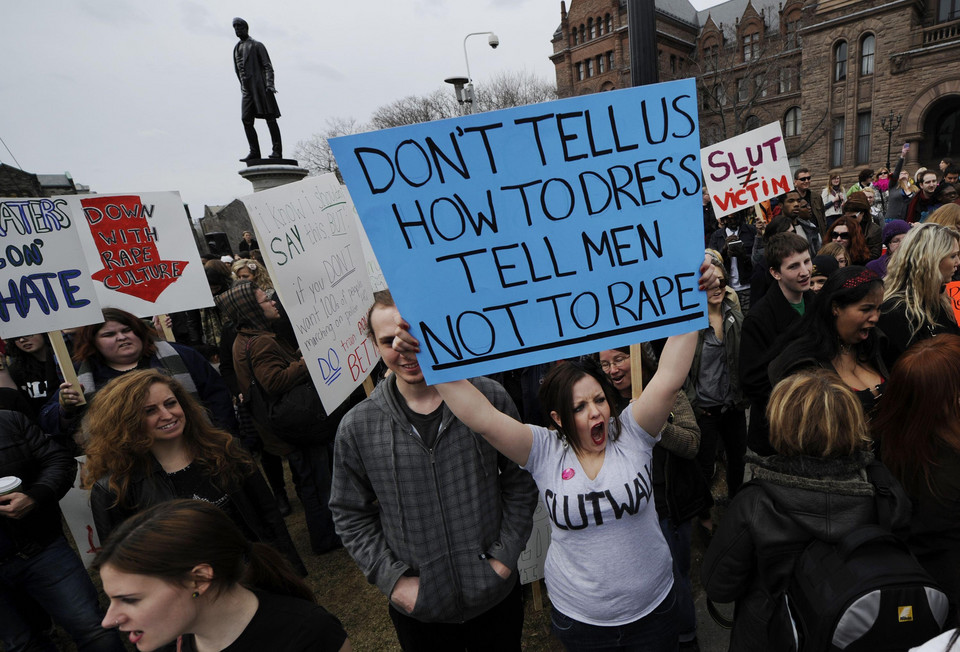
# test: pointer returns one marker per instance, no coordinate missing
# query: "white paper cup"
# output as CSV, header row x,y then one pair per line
x,y
9,484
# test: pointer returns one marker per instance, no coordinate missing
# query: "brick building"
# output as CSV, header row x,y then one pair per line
x,y
826,71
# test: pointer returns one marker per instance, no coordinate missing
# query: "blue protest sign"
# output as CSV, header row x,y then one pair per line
x,y
537,233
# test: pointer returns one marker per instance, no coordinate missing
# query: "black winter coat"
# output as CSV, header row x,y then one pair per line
x,y
252,501
756,545
47,471
767,320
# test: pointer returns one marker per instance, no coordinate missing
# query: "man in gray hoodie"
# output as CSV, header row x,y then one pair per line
x,y
431,513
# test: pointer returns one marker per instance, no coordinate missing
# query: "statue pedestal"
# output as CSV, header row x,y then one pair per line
x,y
264,174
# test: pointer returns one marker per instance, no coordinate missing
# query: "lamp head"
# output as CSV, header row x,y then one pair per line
x,y
493,41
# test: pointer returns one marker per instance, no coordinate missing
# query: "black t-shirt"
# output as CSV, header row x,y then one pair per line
x,y
288,624
427,425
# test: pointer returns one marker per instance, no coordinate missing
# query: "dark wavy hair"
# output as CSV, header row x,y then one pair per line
x,y
85,341
815,335
556,395
168,541
857,251
120,448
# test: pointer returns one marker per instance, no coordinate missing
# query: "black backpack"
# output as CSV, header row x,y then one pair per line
x,y
866,592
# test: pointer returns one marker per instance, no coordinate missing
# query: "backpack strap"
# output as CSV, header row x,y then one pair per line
x,y
883,483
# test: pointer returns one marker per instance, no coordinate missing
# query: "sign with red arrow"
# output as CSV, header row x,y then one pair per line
x,y
141,252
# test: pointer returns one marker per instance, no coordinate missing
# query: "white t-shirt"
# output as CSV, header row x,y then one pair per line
x,y
938,644
608,563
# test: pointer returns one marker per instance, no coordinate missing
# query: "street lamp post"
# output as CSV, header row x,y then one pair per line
x,y
890,124
463,86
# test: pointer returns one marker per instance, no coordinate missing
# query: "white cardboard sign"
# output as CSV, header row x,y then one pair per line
x,y
44,281
746,169
309,239
140,252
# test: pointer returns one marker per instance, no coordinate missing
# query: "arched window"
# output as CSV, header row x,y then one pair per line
x,y
592,28
576,36
609,22
752,122
583,33
840,61
599,26
791,122
867,48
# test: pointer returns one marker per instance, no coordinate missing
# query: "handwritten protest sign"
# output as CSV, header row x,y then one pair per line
x,y
311,245
953,291
746,169
44,281
526,235
377,282
141,252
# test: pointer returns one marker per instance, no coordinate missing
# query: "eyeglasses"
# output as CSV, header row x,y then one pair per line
x,y
804,178
839,236
616,362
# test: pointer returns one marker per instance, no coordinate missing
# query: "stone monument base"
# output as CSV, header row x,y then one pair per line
x,y
266,173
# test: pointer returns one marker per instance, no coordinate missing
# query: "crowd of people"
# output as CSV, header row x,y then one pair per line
x,y
830,358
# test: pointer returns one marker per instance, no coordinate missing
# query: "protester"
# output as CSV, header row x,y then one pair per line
x,y
761,279
918,427
33,368
35,558
839,334
823,268
258,353
182,572
923,201
680,490
784,304
795,207
713,388
947,215
450,574
837,251
801,183
247,244
734,241
814,486
857,207
245,269
846,231
117,346
595,604
944,195
915,306
833,195
894,232
150,442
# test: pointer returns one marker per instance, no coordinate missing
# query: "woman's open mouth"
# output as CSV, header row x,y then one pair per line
x,y
598,433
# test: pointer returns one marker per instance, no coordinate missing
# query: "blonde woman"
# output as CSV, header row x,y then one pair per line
x,y
833,195
947,215
915,306
246,269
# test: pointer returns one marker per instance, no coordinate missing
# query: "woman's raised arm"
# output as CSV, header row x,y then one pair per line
x,y
512,438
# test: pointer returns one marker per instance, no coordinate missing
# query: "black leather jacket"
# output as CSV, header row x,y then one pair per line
x,y
47,471
755,547
252,500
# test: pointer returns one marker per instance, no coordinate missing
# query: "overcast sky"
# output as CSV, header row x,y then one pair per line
x,y
132,95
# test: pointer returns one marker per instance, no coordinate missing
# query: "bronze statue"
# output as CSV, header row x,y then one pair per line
x,y
252,64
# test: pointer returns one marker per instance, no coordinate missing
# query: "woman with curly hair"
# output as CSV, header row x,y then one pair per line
x,y
151,442
915,306
846,231
246,269
117,346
